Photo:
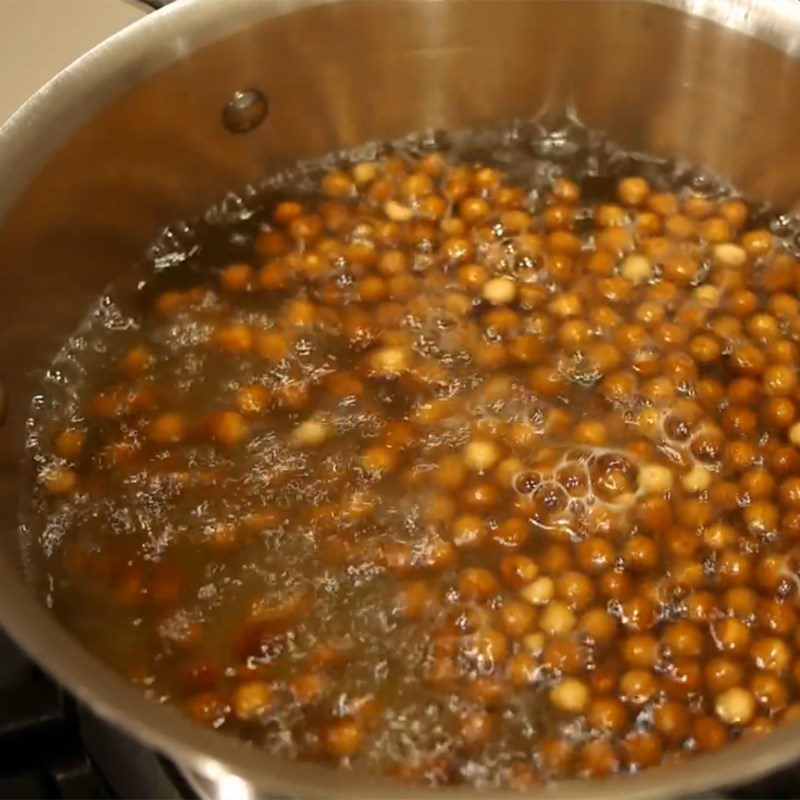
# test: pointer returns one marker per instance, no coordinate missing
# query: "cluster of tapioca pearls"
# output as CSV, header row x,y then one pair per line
x,y
663,289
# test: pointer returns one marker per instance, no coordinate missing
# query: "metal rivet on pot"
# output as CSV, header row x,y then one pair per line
x,y
245,111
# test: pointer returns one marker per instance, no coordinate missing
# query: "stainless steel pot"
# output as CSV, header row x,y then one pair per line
x,y
130,138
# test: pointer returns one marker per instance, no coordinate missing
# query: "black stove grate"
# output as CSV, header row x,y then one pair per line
x,y
41,750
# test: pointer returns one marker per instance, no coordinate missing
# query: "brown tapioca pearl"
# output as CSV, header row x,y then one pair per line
x,y
207,708
555,559
517,571
566,190
308,687
599,757
671,719
608,215
601,263
638,613
573,333
780,272
615,240
739,455
782,351
616,585
779,380
647,223
576,589
758,483
731,636
561,241
599,625
722,673
616,289
740,600
415,599
741,303
558,216
344,738
563,654
700,606
59,480
515,221
679,367
770,571
633,191
640,553
521,670
739,421
694,512
779,412
594,555
270,244
487,691
512,533
642,749
734,212
640,650
518,617
719,536
475,583
558,757
734,569
709,733
761,517
656,248
683,638
784,460
708,446
468,530
790,523
770,692
681,542
757,243
638,686
619,386
762,326
654,513
489,646
70,443
683,679
771,654
724,495
337,184
526,349
681,268
777,617
687,573
705,348
783,305
659,390
715,230
663,203
481,497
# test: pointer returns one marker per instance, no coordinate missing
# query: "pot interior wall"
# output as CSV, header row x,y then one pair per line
x,y
347,72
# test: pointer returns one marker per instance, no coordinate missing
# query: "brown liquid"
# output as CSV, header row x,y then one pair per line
x,y
327,563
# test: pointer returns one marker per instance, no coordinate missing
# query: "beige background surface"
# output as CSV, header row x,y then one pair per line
x,y
40,37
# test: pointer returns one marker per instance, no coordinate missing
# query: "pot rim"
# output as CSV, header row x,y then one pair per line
x,y
140,49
